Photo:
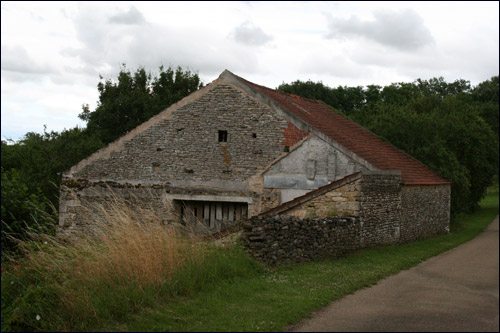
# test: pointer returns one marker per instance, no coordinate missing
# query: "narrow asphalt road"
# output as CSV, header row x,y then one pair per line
x,y
456,291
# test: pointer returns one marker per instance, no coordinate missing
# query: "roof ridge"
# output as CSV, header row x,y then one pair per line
x,y
285,93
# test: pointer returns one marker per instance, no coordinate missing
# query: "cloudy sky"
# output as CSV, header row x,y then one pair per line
x,y
54,52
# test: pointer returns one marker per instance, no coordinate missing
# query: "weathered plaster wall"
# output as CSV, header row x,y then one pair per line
x,y
313,164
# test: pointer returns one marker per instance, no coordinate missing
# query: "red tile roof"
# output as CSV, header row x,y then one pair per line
x,y
354,137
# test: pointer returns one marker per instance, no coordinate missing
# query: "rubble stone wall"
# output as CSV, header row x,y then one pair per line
x,y
382,211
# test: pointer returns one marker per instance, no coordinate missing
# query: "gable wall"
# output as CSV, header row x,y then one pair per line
x,y
186,148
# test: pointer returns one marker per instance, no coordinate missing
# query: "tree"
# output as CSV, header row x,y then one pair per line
x,y
486,94
134,98
40,159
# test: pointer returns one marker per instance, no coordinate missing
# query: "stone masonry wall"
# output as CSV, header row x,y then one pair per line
x,y
186,147
341,201
80,203
380,207
425,211
273,239
81,208
371,208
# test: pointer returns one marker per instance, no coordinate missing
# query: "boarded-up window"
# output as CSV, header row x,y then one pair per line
x,y
212,214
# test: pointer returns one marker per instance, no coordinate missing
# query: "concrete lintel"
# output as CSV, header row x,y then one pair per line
x,y
298,182
218,185
214,198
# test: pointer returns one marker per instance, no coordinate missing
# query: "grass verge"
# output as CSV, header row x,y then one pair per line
x,y
272,300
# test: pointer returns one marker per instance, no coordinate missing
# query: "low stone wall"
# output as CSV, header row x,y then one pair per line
x,y
272,239
371,209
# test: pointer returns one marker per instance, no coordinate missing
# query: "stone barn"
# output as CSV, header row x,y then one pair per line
x,y
235,149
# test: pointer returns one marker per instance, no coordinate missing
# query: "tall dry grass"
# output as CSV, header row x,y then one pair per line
x,y
131,259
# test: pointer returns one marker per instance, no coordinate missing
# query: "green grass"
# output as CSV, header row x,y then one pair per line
x,y
220,290
280,297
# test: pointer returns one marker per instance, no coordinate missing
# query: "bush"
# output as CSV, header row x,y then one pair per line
x,y
23,211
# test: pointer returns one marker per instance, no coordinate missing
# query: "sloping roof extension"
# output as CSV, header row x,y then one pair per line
x,y
313,194
354,137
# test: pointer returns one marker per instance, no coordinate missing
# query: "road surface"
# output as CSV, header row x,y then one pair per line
x,y
454,291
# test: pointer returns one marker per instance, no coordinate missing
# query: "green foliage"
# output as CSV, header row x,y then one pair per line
x,y
134,98
40,159
345,99
31,175
487,96
22,210
450,127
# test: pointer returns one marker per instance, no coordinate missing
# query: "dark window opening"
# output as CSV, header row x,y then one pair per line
x,y
254,135
286,149
222,136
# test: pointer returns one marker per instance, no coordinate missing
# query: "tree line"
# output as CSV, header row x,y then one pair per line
x,y
451,127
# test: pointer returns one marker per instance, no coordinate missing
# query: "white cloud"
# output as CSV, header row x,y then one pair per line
x,y
151,45
400,29
132,16
249,34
